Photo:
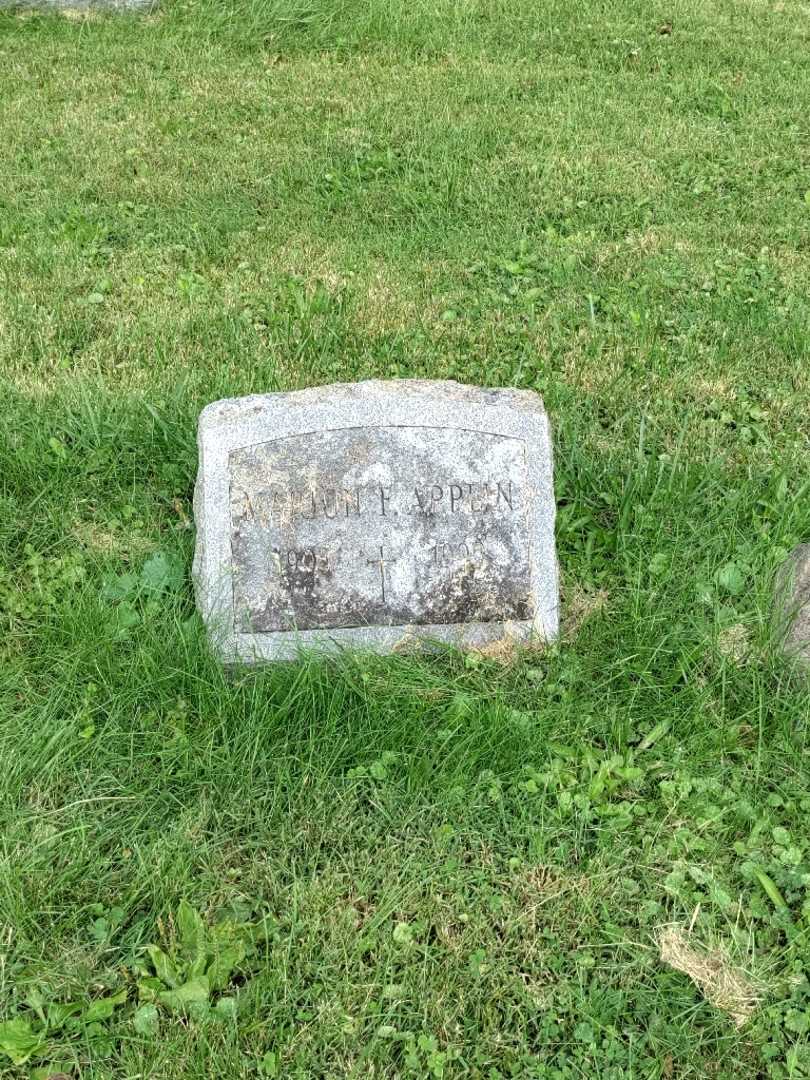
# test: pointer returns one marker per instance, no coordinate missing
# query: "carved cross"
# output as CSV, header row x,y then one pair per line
x,y
381,563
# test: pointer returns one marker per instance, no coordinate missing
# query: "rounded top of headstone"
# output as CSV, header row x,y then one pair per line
x,y
372,391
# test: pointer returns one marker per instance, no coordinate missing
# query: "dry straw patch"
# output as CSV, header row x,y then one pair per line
x,y
734,643
721,983
506,650
503,650
540,896
107,542
579,605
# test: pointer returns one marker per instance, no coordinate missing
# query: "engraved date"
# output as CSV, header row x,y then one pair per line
x,y
448,553
309,560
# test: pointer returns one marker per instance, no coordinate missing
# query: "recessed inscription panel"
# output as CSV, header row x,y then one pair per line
x,y
379,526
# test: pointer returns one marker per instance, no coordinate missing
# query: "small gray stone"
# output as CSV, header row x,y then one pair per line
x,y
793,603
372,515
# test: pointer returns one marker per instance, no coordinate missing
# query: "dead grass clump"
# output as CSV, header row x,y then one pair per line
x,y
721,983
105,541
734,643
537,886
502,650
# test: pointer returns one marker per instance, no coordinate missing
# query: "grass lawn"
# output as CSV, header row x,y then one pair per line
x,y
411,866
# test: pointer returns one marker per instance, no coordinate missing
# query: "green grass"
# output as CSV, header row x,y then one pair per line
x,y
460,868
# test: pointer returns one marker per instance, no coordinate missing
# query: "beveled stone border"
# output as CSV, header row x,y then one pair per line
x,y
234,423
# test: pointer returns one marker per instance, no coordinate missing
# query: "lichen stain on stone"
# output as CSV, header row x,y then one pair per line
x,y
405,548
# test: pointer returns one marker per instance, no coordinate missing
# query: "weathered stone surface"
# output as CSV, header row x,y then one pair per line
x,y
81,5
372,514
793,603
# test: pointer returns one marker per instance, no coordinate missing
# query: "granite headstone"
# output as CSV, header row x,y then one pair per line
x,y
372,515
78,6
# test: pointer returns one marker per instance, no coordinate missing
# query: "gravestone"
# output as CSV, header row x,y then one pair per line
x,y
71,6
793,603
373,515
